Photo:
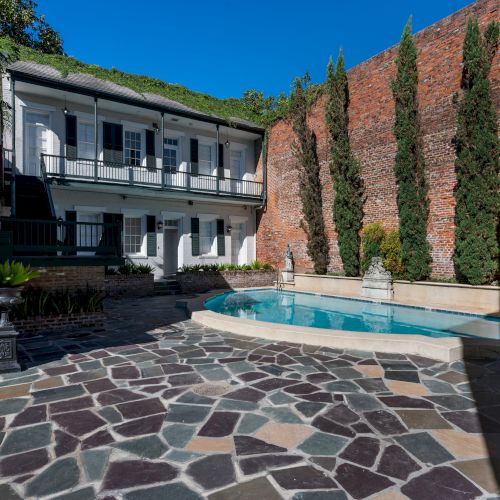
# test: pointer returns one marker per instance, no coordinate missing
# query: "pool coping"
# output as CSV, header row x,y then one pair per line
x,y
447,349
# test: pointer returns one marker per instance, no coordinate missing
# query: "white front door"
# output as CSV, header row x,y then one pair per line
x,y
37,141
238,243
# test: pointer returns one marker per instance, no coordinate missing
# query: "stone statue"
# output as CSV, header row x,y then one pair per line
x,y
288,258
377,281
377,270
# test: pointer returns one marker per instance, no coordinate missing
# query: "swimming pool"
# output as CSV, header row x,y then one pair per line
x,y
341,313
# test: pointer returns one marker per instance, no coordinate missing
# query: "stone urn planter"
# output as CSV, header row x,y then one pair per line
x,y
9,296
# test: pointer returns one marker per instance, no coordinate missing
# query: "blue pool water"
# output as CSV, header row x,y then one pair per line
x,y
337,313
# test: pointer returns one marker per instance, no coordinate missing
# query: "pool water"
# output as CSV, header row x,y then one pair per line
x,y
338,313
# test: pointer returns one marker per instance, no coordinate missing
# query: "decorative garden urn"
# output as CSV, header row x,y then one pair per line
x,y
8,335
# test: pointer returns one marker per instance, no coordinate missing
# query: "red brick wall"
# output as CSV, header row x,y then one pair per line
x,y
69,277
371,115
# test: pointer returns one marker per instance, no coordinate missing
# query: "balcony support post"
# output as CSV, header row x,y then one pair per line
x,y
217,159
163,176
96,146
14,166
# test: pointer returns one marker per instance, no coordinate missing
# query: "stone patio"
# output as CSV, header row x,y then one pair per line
x,y
156,406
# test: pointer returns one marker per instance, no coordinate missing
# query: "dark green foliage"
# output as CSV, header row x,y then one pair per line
x,y
20,22
254,266
344,169
40,302
371,239
477,164
409,166
304,150
392,254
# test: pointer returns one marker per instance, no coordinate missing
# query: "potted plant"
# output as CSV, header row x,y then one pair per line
x,y
13,276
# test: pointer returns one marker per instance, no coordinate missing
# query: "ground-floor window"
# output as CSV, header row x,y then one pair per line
x,y
132,235
208,237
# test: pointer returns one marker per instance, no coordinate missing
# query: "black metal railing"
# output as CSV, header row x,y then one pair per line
x,y
30,237
134,175
5,165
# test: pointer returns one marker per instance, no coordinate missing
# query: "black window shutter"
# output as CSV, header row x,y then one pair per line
x,y
221,240
71,139
113,142
70,236
195,236
194,156
111,235
151,235
150,149
107,137
220,166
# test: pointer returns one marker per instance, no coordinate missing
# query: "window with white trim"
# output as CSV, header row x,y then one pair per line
x,y
132,148
208,237
86,140
171,153
206,159
132,235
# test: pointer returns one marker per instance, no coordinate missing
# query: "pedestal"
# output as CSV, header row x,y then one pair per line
x,y
287,276
8,349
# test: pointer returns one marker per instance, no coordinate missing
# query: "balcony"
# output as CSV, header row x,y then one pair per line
x,y
87,170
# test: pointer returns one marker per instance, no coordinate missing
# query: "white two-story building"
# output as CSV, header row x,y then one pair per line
x,y
182,184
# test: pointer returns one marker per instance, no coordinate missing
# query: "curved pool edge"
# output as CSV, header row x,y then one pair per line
x,y
447,349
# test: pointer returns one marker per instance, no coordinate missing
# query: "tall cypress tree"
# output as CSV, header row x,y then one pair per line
x,y
304,150
409,166
344,169
477,164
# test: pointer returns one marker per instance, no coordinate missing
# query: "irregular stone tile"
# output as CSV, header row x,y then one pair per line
x,y
8,493
467,421
57,393
250,376
188,414
99,438
439,387
370,370
110,414
85,376
285,435
362,451
22,463
320,495
31,415
319,378
26,438
60,370
482,472
406,388
320,443
59,476
173,490
94,463
64,443
361,428
371,384
362,402
235,405
178,435
405,402
385,422
195,399
253,465
309,409
452,402
213,472
246,394
71,405
395,365
82,494
271,384
257,488
48,383
210,445
79,423
319,397
174,368
99,385
220,423
302,477
462,445
116,396
14,391
444,483
423,446
250,423
341,414
282,415
9,406
453,377
404,376
303,388
136,409
129,473
140,426
360,482
327,425
423,419
211,389
395,462
342,386
246,445
185,379
181,456
280,398
146,447
327,463
125,372
172,393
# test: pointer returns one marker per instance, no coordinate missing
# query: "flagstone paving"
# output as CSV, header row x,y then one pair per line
x,y
156,406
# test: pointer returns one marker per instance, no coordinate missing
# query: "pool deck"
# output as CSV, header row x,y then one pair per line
x,y
155,405
446,349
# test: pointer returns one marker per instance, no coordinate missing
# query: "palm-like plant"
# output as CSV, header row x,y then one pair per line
x,y
14,274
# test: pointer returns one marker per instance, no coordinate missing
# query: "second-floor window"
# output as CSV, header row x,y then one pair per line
x,y
132,147
171,154
86,138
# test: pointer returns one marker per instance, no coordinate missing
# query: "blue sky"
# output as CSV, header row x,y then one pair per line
x,y
223,47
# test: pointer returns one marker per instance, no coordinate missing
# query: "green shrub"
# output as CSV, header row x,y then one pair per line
x,y
13,274
144,269
40,302
129,268
253,266
392,254
371,239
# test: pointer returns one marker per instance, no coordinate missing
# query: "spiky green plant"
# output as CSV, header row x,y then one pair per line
x,y
14,274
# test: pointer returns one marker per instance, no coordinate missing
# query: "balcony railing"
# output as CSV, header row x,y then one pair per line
x,y
5,164
61,167
29,237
